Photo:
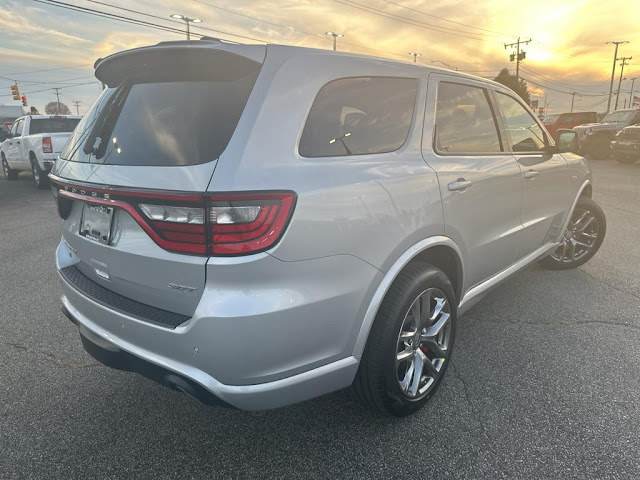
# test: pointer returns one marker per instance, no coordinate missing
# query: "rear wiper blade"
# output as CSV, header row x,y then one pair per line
x,y
96,142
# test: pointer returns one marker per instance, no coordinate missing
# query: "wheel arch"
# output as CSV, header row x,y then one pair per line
x,y
439,251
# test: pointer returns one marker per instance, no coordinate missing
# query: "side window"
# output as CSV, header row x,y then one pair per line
x,y
565,119
20,127
464,120
357,116
14,127
525,133
585,118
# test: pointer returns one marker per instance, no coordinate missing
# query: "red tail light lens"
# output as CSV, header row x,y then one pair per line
x,y
47,147
219,225
244,224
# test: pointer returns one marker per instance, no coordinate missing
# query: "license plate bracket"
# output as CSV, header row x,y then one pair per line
x,y
96,223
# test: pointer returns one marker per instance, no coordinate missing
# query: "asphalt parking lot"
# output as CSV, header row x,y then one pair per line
x,y
544,383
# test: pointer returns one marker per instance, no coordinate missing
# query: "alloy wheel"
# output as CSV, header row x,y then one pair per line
x,y
579,238
423,343
36,174
5,168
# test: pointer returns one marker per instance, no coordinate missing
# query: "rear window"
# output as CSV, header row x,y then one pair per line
x,y
166,110
357,116
52,125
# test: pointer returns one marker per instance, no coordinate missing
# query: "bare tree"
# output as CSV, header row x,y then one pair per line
x,y
56,108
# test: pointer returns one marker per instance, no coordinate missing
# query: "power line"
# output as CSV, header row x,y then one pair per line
x,y
49,89
408,21
134,21
561,91
564,84
446,19
49,69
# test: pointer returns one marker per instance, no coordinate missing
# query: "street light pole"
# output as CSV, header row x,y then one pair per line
x,y
415,56
186,20
613,71
633,80
335,37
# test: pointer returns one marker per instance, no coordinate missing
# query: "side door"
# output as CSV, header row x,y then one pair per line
x,y
18,145
546,185
480,181
22,151
11,150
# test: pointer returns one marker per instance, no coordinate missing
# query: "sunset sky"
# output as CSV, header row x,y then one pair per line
x,y
44,46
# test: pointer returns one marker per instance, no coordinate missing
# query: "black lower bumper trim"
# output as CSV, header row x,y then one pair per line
x,y
119,359
147,313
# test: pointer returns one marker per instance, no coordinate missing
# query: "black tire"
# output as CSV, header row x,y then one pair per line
x,y
600,149
377,382
556,261
8,172
40,178
625,159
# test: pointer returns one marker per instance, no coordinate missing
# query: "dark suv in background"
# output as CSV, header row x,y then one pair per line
x,y
594,138
626,145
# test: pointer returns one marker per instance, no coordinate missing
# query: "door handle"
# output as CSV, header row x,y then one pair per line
x,y
459,184
17,141
531,174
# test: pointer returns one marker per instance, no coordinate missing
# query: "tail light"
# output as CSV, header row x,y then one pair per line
x,y
242,224
47,147
221,225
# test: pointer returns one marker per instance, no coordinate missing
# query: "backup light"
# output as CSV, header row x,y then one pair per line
x,y
170,213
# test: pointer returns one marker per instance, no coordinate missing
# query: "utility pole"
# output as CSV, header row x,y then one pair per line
x,y
415,56
518,56
57,98
633,80
76,104
573,95
613,71
623,62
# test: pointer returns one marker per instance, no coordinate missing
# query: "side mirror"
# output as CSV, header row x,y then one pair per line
x,y
567,141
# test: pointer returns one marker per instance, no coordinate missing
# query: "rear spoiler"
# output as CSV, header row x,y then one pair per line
x,y
112,69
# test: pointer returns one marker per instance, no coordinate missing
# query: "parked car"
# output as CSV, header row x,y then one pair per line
x,y
568,120
258,225
626,145
594,138
33,144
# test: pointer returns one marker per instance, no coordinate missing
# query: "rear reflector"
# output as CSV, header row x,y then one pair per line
x,y
47,147
220,225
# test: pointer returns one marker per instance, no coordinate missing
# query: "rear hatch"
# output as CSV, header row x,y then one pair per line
x,y
130,182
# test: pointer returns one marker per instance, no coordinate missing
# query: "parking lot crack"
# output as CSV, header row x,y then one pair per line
x,y
474,412
564,322
51,357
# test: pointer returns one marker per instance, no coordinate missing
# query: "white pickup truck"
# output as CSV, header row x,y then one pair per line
x,y
33,143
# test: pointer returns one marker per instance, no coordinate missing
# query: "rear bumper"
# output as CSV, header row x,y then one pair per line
x,y
276,338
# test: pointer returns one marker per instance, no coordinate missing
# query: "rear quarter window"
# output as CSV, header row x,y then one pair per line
x,y
358,116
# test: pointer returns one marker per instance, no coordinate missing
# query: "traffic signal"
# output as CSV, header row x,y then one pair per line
x,y
15,92
24,100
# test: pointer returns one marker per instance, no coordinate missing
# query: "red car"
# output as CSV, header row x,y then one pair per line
x,y
558,121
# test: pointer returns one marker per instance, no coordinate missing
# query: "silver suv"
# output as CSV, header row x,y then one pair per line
x,y
259,225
